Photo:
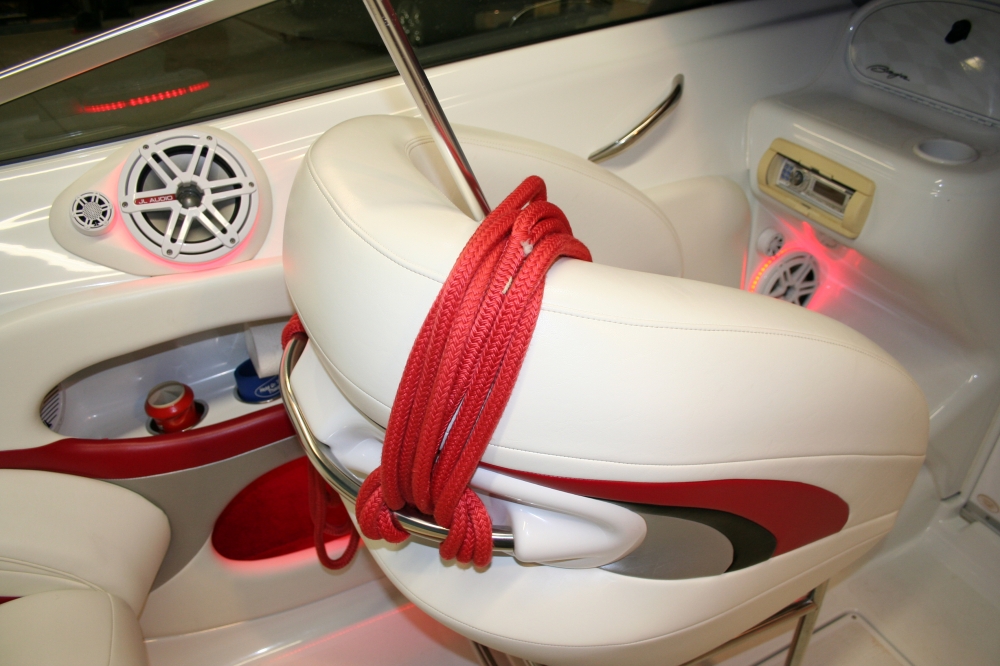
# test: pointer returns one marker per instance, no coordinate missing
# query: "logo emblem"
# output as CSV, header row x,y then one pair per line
x,y
884,69
158,199
269,390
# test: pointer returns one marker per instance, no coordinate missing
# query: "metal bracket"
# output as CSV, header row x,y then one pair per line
x,y
803,612
343,480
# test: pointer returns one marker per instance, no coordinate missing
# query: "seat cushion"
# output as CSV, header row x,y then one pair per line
x,y
70,628
59,531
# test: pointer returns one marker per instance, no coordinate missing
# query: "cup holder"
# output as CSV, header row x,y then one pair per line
x,y
945,151
200,409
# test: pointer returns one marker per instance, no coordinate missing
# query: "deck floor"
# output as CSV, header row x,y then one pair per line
x,y
932,599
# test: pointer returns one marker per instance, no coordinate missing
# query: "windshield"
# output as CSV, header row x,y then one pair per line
x,y
279,51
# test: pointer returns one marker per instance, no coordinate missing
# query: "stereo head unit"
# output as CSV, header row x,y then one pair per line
x,y
816,187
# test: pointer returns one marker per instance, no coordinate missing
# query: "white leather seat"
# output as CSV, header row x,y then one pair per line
x,y
59,531
81,554
633,375
70,628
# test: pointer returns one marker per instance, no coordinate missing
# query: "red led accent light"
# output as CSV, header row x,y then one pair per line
x,y
763,269
145,99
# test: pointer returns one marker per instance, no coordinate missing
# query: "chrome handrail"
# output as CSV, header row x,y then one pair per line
x,y
341,479
56,66
666,107
394,37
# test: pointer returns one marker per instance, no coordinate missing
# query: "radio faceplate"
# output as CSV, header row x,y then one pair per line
x,y
806,184
816,187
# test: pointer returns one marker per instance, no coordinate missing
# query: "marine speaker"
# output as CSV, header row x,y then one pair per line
x,y
188,196
793,277
92,213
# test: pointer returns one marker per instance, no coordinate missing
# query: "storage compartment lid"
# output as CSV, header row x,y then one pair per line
x,y
945,54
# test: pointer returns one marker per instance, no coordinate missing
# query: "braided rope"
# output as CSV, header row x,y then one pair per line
x,y
461,372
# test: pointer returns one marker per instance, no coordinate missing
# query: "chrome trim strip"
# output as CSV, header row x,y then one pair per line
x,y
666,107
82,56
413,76
339,477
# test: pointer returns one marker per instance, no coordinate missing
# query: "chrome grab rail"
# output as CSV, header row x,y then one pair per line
x,y
394,37
50,68
342,479
666,107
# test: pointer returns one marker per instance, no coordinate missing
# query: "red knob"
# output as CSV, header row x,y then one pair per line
x,y
171,406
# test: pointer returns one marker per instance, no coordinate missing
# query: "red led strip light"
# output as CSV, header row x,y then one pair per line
x,y
760,271
145,99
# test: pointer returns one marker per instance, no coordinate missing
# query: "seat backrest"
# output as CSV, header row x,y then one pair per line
x,y
621,225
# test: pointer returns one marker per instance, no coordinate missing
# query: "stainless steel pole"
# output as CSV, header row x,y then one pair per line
x,y
804,629
416,82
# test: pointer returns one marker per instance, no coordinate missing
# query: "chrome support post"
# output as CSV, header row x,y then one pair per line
x,y
484,655
392,33
804,629
804,612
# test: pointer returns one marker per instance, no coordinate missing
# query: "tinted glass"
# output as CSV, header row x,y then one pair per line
x,y
30,28
280,51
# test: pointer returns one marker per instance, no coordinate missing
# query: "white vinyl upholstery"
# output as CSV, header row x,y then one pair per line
x,y
70,628
633,374
59,531
711,216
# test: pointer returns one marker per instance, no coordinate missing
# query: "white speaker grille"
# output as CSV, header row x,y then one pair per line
x,y
92,212
793,278
188,196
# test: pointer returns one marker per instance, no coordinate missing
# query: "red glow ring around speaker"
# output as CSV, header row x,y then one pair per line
x,y
171,406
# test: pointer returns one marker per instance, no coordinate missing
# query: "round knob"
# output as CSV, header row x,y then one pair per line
x,y
171,406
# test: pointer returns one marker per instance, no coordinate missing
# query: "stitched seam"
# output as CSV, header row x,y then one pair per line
x,y
750,331
701,464
356,229
56,573
652,207
111,643
613,183
348,379
399,583
388,255
350,224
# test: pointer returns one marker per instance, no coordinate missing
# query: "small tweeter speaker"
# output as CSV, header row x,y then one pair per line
x,y
792,277
184,199
92,213
188,196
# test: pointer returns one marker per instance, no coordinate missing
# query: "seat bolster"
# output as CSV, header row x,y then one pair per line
x,y
70,628
63,531
711,216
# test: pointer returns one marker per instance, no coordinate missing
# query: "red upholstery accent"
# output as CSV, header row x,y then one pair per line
x,y
795,513
147,456
271,516
4,600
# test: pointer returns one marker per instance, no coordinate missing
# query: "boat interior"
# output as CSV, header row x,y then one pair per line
x,y
757,419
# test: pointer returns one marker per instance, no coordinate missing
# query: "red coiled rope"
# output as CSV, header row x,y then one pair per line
x,y
461,372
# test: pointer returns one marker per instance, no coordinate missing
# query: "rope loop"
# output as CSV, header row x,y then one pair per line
x,y
461,371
